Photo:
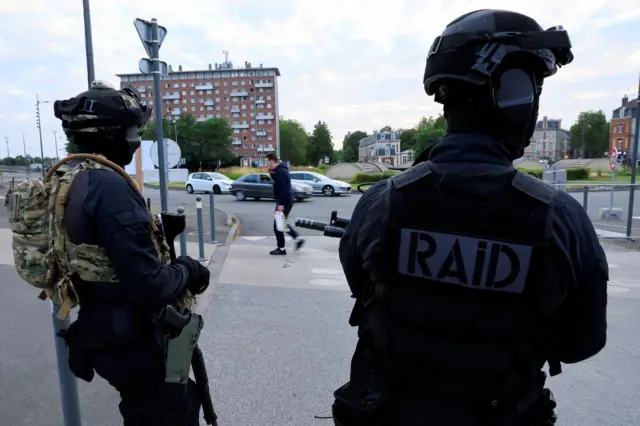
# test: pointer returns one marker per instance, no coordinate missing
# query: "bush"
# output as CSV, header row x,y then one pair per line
x,y
371,177
237,172
578,173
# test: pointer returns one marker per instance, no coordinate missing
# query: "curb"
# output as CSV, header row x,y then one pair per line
x,y
215,266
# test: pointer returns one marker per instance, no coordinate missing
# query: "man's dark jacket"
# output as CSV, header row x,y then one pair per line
x,y
282,190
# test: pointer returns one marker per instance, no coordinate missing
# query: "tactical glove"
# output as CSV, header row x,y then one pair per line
x,y
198,275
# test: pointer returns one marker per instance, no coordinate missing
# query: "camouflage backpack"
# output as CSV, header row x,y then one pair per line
x,y
43,254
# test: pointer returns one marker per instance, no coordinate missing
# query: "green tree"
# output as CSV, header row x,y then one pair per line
x,y
407,139
320,144
293,142
428,131
71,147
211,141
351,145
386,129
590,134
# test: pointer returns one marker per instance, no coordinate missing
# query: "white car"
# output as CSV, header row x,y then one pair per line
x,y
320,183
208,182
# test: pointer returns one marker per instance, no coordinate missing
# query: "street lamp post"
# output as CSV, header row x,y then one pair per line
x,y
26,159
39,122
55,138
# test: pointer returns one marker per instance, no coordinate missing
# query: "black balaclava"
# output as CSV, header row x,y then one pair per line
x,y
471,111
115,146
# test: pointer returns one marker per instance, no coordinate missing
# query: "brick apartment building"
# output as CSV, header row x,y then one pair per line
x,y
246,96
623,127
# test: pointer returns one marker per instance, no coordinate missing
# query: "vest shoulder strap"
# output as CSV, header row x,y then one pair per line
x,y
411,175
534,187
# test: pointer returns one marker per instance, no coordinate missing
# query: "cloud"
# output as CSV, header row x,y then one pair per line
x,y
354,64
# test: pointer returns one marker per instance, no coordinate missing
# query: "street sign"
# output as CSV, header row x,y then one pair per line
x,y
614,160
144,31
146,67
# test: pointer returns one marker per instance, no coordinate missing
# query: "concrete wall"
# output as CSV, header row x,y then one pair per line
x,y
343,171
175,175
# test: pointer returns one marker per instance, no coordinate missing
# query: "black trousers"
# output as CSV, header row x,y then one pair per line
x,y
291,231
162,405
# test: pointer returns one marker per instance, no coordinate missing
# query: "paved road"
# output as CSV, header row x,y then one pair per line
x,y
255,216
293,315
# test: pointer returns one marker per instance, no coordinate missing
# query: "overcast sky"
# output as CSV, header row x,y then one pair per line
x,y
355,64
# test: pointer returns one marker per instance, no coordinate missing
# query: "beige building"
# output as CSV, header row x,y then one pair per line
x,y
549,140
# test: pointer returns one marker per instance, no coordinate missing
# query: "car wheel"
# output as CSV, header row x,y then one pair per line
x,y
256,198
216,190
328,191
240,196
190,189
299,199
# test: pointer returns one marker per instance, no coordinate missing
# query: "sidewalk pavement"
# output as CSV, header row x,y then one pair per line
x,y
29,388
277,343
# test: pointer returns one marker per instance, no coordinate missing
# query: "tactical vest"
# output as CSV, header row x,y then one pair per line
x,y
43,254
453,305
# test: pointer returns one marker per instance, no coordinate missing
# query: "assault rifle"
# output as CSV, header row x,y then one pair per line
x,y
170,225
334,229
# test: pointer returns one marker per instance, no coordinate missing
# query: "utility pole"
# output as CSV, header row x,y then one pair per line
x,y
88,43
26,158
39,122
55,138
6,138
634,164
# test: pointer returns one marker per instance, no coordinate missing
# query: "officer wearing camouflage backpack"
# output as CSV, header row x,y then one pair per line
x,y
85,237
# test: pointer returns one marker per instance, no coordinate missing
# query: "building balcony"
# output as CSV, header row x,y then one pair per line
x,y
268,149
267,116
171,97
264,85
236,142
208,103
176,111
236,92
207,86
141,89
260,101
240,126
261,133
235,109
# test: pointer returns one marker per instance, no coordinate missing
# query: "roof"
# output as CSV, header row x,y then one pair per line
x,y
633,103
220,70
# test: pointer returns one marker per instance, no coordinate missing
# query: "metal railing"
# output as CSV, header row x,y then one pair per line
x,y
611,212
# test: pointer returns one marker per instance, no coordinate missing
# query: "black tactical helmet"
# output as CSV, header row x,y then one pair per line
x,y
103,109
473,49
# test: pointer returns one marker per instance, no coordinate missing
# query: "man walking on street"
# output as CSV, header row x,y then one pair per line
x,y
283,194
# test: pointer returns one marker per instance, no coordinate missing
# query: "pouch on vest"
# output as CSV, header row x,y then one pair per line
x,y
179,350
43,255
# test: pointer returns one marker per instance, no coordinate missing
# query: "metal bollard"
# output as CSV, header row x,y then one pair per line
x,y
585,197
212,220
67,380
200,230
149,204
183,236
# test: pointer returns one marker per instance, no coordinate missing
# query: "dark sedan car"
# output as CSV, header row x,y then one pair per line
x,y
260,185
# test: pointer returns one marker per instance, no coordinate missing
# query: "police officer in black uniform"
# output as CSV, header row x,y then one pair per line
x,y
468,275
115,334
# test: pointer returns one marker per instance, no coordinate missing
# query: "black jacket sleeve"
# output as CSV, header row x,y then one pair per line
x,y
282,186
581,324
124,230
361,238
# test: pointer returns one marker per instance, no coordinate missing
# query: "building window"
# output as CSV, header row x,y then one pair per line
x,y
619,128
619,143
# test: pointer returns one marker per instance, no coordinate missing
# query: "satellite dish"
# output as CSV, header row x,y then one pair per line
x,y
171,156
